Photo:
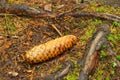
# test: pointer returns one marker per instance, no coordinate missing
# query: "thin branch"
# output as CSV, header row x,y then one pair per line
x,y
59,74
4,14
105,16
80,7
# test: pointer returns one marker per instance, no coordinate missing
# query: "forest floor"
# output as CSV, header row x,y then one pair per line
x,y
19,34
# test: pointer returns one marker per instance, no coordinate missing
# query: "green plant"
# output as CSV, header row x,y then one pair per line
x,y
96,21
111,38
114,64
87,34
103,54
118,57
100,9
8,25
71,76
107,78
100,72
99,78
112,72
104,46
78,54
117,24
12,1
118,37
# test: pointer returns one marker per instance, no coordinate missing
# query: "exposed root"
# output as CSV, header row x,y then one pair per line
x,y
58,75
24,10
105,16
92,53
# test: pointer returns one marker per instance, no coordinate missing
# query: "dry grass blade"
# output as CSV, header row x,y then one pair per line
x,y
56,29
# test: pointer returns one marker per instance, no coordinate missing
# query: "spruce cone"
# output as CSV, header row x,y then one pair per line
x,y
50,49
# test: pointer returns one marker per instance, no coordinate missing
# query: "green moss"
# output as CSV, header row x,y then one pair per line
x,y
100,72
71,76
55,68
118,36
8,25
94,7
13,1
112,72
78,54
112,38
88,33
104,46
101,9
74,74
99,78
96,21
107,78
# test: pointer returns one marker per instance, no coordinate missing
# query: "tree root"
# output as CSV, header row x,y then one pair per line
x,y
92,53
105,16
24,10
58,75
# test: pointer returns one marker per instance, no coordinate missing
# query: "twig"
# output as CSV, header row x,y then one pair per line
x,y
80,6
4,14
105,16
59,74
31,76
56,29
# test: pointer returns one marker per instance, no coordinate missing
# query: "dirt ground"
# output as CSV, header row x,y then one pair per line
x,y
19,34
